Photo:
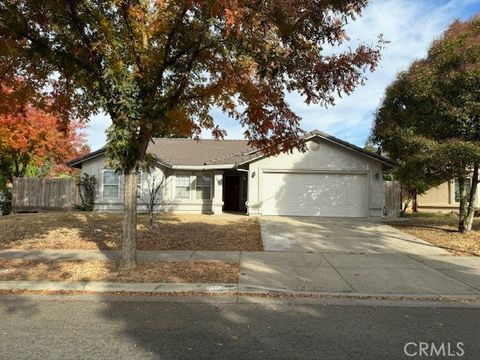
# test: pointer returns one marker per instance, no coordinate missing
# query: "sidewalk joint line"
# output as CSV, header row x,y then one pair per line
x,y
335,269
441,272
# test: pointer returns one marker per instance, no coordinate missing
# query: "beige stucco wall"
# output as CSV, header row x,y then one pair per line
x,y
322,155
166,201
440,199
437,197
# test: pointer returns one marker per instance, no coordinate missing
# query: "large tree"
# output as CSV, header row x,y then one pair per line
x,y
33,138
430,118
157,67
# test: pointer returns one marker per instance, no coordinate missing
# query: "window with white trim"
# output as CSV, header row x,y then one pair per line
x,y
203,187
110,185
182,186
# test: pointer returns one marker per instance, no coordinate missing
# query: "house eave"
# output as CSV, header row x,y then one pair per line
x,y
77,163
203,167
387,163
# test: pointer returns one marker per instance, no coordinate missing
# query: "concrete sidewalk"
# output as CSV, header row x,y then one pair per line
x,y
113,255
361,273
373,274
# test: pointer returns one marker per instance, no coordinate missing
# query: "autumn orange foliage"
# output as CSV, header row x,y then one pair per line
x,y
158,68
31,136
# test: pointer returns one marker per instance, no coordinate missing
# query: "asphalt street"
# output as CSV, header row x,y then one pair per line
x,y
161,330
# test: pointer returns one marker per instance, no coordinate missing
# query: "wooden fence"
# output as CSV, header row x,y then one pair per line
x,y
44,194
393,198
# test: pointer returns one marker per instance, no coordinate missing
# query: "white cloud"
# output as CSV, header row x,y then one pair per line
x,y
409,25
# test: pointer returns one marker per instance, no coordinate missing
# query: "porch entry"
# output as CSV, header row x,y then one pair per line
x,y
235,191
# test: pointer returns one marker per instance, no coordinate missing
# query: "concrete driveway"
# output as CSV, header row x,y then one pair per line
x,y
340,235
353,256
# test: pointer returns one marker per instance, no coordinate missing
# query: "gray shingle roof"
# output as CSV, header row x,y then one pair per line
x,y
199,152
205,152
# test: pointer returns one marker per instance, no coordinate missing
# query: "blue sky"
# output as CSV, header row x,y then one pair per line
x,y
409,25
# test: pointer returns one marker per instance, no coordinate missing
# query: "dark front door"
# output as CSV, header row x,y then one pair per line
x,y
232,193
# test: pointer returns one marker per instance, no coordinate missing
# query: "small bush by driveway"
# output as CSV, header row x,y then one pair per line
x,y
442,231
93,231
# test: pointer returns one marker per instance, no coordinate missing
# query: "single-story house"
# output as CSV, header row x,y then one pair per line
x,y
443,198
332,178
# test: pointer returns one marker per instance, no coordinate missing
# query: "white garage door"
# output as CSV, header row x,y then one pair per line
x,y
307,194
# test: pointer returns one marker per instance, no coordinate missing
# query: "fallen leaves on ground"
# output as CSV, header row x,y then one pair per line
x,y
442,231
92,231
78,270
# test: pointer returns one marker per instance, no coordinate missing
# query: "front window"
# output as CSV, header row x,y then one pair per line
x,y
457,189
182,186
203,186
110,185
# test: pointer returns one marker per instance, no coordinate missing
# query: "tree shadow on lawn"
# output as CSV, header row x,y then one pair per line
x,y
71,230
102,231
448,224
441,228
445,236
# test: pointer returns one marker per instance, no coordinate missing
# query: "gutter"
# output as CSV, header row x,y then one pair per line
x,y
202,167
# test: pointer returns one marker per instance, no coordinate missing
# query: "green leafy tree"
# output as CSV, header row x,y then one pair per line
x,y
430,118
158,67
370,145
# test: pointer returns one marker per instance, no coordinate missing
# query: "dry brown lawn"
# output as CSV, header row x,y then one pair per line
x,y
442,231
91,231
160,272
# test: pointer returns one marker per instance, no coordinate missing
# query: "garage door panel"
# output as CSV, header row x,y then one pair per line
x,y
314,194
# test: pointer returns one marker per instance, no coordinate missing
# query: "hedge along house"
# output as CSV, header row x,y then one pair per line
x,y
332,178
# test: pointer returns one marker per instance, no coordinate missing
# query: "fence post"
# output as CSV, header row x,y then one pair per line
x,y
392,199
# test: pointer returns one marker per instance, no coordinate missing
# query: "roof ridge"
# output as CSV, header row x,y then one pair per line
x,y
212,152
226,157
219,140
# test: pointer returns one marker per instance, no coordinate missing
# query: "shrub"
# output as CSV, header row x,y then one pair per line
x,y
88,185
5,201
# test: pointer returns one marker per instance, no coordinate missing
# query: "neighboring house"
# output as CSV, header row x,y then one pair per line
x,y
333,178
443,198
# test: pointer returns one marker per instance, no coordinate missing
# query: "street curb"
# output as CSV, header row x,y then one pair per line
x,y
116,287
102,291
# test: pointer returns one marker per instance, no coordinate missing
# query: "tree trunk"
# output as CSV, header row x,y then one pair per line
x,y
462,210
411,201
129,242
151,220
471,201
406,205
414,203
16,172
